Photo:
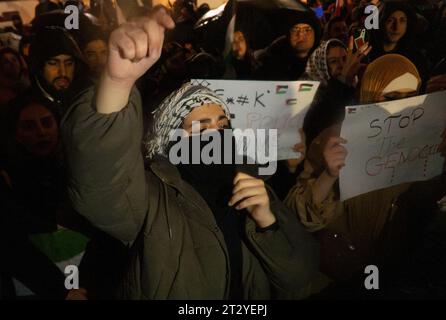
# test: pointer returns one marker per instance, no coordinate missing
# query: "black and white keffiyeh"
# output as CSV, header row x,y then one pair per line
x,y
170,115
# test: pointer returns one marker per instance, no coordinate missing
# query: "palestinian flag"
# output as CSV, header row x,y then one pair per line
x,y
281,89
305,87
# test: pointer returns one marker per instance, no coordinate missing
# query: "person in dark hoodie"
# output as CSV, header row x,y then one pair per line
x,y
58,71
240,64
286,58
396,35
186,240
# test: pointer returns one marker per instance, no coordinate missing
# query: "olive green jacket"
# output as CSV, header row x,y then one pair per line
x,y
178,252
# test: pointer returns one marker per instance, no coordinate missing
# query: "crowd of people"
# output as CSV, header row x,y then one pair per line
x,y
85,120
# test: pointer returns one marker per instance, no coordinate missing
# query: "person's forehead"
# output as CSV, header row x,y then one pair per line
x,y
209,108
34,110
97,44
302,25
336,51
61,57
238,34
398,13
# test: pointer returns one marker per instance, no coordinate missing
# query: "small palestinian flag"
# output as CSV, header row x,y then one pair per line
x,y
351,110
281,89
305,87
291,102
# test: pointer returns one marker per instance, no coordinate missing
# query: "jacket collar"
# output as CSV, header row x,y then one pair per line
x,y
170,175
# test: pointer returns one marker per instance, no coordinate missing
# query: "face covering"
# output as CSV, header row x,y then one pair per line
x,y
213,181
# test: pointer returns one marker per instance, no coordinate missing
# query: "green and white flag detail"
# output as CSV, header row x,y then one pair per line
x,y
64,247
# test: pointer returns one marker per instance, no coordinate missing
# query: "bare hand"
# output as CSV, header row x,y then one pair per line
x,y
252,195
136,46
353,61
334,155
298,147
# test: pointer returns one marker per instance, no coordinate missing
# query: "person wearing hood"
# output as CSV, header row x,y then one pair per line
x,y
286,57
240,64
196,231
57,71
397,22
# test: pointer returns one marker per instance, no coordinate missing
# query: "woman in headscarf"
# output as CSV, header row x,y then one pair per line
x,y
326,61
370,228
187,241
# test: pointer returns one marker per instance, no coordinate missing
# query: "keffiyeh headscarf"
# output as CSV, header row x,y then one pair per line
x,y
317,68
172,112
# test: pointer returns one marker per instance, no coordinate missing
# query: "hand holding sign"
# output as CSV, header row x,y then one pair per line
x,y
393,142
250,193
301,148
334,155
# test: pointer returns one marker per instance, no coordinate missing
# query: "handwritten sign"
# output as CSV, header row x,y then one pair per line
x,y
267,105
391,143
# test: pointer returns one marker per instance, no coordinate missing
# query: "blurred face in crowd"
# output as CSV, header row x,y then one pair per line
x,y
302,39
336,57
239,46
58,71
96,56
10,67
395,27
37,130
339,30
210,116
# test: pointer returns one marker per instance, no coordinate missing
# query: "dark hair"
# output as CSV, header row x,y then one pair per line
x,y
6,50
20,103
335,44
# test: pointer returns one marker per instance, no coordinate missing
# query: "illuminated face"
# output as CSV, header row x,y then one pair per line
x,y
239,45
58,72
37,130
302,38
395,27
96,53
336,57
210,116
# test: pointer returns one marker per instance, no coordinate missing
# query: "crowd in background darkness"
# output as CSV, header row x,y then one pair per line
x,y
104,174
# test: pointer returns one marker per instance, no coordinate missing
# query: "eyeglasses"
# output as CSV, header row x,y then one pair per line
x,y
306,30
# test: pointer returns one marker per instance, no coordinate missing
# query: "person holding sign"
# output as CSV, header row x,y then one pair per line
x,y
370,228
187,241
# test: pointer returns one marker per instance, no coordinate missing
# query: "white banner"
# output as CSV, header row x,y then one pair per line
x,y
392,142
280,105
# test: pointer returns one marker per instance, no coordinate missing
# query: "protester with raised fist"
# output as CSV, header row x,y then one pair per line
x,y
196,231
